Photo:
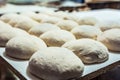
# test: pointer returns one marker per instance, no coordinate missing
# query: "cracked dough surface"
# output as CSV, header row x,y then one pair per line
x,y
55,63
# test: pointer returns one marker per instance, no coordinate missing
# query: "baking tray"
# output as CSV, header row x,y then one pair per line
x,y
20,67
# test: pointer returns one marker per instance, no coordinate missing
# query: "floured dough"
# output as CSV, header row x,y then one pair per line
x,y
42,28
7,17
55,63
8,33
109,24
4,25
86,31
87,21
51,19
67,24
23,47
111,39
57,37
90,51
23,22
34,16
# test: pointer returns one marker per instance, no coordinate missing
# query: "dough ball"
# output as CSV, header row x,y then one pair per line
x,y
86,31
51,19
23,22
109,24
42,28
87,21
7,17
59,14
23,47
34,16
26,25
89,51
55,63
111,39
8,33
67,24
57,37
4,25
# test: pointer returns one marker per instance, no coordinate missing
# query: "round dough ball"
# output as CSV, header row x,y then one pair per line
x,y
67,24
87,21
55,63
8,33
111,39
26,25
60,14
86,31
57,37
23,47
34,16
42,28
23,22
7,17
4,25
109,24
51,19
89,51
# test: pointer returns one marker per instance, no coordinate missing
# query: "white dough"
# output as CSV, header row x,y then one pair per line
x,y
57,37
87,21
109,24
111,39
8,33
7,17
86,31
42,28
23,47
90,51
55,63
67,24
51,19
34,16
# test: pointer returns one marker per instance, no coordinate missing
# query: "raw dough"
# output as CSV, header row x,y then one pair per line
x,y
23,47
67,24
90,51
42,28
86,31
111,38
109,24
8,33
55,63
87,21
57,37
51,19
7,17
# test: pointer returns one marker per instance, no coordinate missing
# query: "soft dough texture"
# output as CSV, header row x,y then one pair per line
x,y
4,25
34,16
90,51
23,47
7,17
111,38
51,19
55,63
67,24
86,31
42,28
8,33
109,24
87,21
57,37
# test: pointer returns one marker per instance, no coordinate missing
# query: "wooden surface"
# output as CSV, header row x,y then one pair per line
x,y
19,67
